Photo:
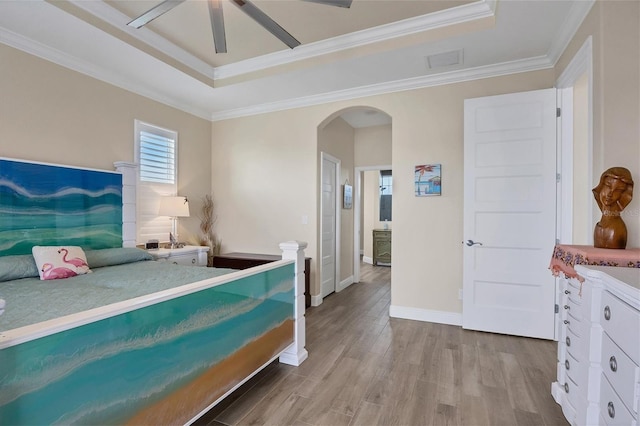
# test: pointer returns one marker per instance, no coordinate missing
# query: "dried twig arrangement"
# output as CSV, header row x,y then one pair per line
x,y
207,222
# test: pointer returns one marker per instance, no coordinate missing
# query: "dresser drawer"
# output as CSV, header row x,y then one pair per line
x,y
575,344
571,389
576,370
621,372
622,323
612,410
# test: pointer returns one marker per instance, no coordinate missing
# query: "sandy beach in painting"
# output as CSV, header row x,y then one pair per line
x,y
184,404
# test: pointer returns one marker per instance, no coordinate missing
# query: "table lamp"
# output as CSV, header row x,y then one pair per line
x,y
174,207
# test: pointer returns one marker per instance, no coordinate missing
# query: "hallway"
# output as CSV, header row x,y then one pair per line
x,y
367,369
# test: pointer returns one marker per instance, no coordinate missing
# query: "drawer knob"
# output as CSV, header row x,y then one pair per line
x,y
611,410
193,261
175,263
566,364
566,387
613,364
567,292
568,340
567,307
607,313
566,321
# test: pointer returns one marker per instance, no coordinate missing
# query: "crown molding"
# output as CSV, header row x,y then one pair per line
x,y
578,12
456,15
118,20
488,71
468,12
84,67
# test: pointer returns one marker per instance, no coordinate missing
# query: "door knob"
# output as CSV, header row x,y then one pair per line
x,y
472,243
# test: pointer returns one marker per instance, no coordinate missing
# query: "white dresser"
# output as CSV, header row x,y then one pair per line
x,y
598,373
187,255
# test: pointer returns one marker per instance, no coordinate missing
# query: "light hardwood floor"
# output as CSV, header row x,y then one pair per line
x,y
365,368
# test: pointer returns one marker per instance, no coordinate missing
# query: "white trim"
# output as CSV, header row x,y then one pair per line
x,y
344,284
102,10
486,71
316,300
426,315
464,13
577,14
581,63
338,164
357,226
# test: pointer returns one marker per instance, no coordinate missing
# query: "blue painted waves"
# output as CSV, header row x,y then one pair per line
x,y
107,371
53,205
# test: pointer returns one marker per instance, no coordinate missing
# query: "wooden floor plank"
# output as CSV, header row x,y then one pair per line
x,y
365,368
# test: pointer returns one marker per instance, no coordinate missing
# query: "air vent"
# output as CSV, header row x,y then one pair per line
x,y
445,59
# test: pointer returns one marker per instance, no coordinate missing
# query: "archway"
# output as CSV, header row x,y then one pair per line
x,y
343,136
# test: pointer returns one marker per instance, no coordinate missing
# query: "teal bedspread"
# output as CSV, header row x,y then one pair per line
x,y
30,300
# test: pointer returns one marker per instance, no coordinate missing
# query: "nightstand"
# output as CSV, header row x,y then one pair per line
x,y
249,260
187,255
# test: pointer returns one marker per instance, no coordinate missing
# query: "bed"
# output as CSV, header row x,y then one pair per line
x,y
97,348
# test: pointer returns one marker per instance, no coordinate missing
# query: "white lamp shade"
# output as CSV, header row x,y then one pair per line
x,y
174,207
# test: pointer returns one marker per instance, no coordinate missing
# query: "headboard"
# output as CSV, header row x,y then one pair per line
x,y
46,204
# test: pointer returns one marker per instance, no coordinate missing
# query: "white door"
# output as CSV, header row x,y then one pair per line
x,y
328,205
510,213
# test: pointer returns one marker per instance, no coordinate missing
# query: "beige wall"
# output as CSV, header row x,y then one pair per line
x,y
263,169
373,146
51,114
336,138
372,149
615,30
370,205
275,156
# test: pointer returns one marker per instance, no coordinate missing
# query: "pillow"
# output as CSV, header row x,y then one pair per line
x,y
60,262
16,267
115,256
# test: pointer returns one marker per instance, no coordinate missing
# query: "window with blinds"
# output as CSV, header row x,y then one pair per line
x,y
156,155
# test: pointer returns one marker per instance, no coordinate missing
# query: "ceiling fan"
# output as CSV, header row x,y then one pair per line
x,y
217,19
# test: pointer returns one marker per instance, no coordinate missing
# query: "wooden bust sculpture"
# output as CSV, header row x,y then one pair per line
x,y
613,194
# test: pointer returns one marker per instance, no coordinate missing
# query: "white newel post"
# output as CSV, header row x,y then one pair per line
x,y
296,353
129,178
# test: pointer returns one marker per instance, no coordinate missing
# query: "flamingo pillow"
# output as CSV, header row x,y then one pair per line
x,y
60,262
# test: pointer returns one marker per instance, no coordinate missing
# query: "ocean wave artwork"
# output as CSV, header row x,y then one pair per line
x,y
112,370
44,204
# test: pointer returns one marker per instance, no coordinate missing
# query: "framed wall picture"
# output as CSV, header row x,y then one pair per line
x,y
428,180
347,191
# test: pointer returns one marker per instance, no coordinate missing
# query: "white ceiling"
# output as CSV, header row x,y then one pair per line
x,y
376,46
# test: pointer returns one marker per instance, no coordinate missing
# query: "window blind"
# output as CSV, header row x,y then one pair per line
x,y
156,155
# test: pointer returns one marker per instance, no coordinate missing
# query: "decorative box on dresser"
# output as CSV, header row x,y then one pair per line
x,y
187,255
598,373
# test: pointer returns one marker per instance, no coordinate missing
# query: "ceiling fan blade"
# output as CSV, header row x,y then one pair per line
x,y
269,24
217,26
154,12
340,3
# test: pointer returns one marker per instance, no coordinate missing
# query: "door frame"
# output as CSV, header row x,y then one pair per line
x,y
581,64
357,207
317,300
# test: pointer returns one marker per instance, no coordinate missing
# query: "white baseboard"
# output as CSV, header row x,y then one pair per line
x,y
316,300
426,315
344,284
367,259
